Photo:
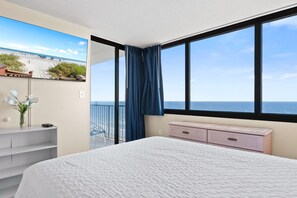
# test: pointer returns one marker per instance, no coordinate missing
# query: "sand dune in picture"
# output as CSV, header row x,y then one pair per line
x,y
39,64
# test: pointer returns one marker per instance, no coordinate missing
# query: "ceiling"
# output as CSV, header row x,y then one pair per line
x,y
101,53
146,22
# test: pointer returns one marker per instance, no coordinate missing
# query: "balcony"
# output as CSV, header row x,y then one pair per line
x,y
102,131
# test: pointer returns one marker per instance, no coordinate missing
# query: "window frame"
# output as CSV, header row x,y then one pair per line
x,y
257,23
117,48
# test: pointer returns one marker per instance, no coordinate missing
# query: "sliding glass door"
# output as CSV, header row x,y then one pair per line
x,y
107,106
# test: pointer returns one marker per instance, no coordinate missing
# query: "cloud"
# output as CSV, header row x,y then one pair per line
x,y
18,46
41,49
82,43
68,51
289,22
288,76
72,51
62,51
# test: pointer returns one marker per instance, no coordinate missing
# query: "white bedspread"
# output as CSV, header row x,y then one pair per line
x,y
161,167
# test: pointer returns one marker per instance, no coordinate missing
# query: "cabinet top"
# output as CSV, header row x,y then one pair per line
x,y
222,127
24,130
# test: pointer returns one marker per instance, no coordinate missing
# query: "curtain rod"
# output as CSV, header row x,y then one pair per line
x,y
231,23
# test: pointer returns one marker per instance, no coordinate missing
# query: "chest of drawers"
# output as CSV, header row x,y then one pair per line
x,y
246,138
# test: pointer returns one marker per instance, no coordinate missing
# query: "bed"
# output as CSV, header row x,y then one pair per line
x,y
161,167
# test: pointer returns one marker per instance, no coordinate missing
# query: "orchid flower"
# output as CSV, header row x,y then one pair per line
x,y
22,107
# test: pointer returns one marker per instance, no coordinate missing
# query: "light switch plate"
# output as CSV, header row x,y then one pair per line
x,y
82,93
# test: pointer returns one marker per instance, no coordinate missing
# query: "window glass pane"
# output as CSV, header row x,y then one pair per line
x,y
102,95
173,70
280,66
222,72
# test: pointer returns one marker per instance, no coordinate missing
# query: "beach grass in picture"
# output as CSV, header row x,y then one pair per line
x,y
29,51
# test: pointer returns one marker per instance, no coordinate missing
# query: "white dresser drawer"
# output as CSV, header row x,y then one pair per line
x,y
238,140
188,133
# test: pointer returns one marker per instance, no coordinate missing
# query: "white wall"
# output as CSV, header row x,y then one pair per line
x,y
59,102
284,135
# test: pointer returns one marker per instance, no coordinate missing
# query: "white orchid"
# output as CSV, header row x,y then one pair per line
x,y
32,99
14,93
22,107
10,100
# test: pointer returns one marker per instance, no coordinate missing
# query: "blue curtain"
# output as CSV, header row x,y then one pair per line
x,y
144,92
134,90
152,99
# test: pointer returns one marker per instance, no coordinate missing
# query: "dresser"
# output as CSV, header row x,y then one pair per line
x,y
245,138
21,148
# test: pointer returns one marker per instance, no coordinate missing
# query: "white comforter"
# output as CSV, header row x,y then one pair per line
x,y
161,167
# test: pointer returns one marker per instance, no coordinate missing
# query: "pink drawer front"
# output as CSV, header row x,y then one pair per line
x,y
188,133
238,140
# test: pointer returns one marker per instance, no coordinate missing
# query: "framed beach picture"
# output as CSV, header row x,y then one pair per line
x,y
29,51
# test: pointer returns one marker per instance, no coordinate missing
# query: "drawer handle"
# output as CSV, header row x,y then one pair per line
x,y
186,132
232,139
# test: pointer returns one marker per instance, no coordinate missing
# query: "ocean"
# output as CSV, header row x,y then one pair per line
x,y
267,107
102,113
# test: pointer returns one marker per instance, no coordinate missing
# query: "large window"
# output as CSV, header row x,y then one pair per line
x,y
173,68
246,70
280,66
222,72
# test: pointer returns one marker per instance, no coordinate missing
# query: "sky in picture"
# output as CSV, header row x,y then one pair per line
x,y
222,67
30,38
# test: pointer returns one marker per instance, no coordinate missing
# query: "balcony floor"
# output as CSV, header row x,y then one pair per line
x,y
99,142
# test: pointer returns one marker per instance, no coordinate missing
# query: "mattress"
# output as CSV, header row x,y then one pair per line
x,y
161,167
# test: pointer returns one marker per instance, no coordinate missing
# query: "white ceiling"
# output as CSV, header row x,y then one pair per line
x,y
101,53
147,22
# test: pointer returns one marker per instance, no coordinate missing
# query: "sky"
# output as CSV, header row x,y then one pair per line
x,y
222,67
103,79
30,38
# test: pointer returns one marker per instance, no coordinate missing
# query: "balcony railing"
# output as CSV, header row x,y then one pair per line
x,y
102,121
